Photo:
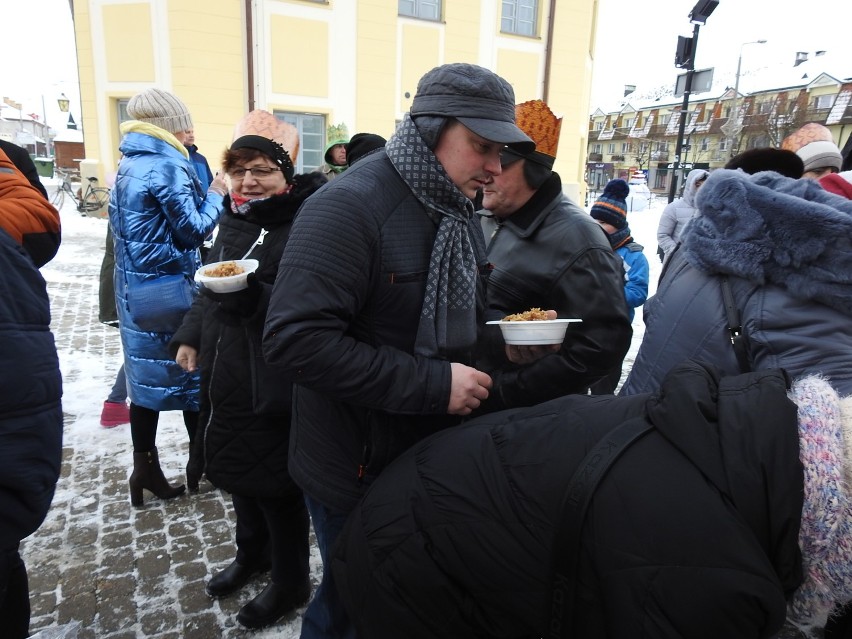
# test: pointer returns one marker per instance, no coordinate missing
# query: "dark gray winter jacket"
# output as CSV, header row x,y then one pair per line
x,y
787,247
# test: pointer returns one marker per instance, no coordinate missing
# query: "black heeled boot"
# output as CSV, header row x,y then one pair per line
x,y
147,474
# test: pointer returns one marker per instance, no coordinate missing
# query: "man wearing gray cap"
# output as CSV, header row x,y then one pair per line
x,y
375,310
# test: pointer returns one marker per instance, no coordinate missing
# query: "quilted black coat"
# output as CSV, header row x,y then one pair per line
x,y
343,320
244,422
691,534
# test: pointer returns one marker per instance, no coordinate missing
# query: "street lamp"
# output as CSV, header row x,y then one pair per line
x,y
685,58
63,103
733,125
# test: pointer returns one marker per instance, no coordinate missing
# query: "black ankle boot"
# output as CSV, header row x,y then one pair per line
x,y
271,604
232,578
148,474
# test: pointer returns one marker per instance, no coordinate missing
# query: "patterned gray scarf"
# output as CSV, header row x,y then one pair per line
x,y
447,326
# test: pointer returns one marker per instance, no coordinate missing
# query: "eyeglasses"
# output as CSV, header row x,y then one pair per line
x,y
257,172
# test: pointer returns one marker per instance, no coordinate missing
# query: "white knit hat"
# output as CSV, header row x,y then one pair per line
x,y
820,154
160,108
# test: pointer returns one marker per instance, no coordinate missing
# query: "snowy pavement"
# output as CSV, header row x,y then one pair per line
x,y
125,573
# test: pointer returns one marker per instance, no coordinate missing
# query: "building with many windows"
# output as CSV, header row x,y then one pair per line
x,y
324,63
640,133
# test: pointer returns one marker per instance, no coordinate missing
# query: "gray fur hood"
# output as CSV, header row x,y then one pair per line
x,y
771,229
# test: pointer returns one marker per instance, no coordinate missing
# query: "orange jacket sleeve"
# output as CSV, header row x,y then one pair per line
x,y
26,216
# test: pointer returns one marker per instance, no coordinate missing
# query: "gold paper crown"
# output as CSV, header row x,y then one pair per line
x,y
537,120
266,125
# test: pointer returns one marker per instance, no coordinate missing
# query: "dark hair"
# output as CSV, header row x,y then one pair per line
x,y
781,161
231,158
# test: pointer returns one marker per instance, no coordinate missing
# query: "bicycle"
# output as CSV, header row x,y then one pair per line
x,y
94,199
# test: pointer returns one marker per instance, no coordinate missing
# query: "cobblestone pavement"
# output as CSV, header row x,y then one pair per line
x,y
118,571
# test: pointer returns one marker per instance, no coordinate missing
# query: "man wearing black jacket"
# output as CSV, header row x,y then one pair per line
x,y
546,252
378,299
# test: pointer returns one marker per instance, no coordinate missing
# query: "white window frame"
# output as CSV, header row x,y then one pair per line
x,y
421,9
311,128
519,17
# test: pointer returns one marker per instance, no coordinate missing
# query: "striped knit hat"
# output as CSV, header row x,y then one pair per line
x,y
825,533
160,108
611,207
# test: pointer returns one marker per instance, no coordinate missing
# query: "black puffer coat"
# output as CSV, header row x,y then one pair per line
x,y
244,422
692,533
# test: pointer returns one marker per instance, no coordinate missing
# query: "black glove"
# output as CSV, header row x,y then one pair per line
x,y
239,303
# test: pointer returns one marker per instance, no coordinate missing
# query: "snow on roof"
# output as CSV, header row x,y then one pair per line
x,y
68,135
817,70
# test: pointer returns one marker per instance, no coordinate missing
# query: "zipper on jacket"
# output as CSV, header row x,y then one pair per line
x,y
210,398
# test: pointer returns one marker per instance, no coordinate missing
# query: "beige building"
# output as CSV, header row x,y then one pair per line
x,y
640,133
319,63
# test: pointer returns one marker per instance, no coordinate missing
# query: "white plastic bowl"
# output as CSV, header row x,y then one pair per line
x,y
228,284
534,332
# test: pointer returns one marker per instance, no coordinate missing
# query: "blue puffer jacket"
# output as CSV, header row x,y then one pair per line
x,y
784,244
30,408
159,217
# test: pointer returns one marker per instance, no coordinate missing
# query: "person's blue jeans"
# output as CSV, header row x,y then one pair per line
x,y
118,394
325,617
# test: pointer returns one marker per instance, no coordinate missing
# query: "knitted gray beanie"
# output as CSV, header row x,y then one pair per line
x,y
160,108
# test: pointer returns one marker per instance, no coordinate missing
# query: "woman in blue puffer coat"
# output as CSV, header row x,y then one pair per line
x,y
159,217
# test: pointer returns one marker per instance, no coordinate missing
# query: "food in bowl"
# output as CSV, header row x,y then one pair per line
x,y
227,276
535,314
533,332
224,269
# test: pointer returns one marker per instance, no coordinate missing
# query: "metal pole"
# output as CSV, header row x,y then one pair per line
x,y
690,71
735,109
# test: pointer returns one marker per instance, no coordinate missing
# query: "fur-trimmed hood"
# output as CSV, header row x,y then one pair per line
x,y
770,229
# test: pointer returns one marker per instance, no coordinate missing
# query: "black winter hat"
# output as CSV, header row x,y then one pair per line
x,y
478,98
362,144
781,161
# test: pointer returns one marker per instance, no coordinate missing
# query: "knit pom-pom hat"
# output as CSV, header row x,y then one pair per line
x,y
160,108
825,533
611,207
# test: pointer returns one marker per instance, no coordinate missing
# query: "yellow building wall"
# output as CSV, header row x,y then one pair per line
x,y
420,52
197,49
520,69
207,64
569,88
86,74
462,31
129,55
292,74
376,98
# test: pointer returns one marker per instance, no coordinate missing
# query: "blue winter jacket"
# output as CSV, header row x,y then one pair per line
x,y
636,275
159,217
30,408
202,168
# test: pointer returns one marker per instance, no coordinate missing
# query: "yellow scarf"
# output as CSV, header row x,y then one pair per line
x,y
146,128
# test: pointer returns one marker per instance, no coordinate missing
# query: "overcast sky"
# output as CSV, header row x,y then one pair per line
x,y
636,44
39,57
636,41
